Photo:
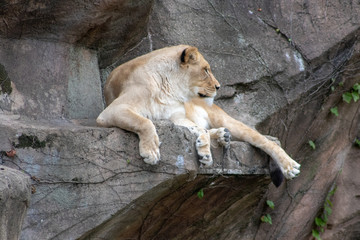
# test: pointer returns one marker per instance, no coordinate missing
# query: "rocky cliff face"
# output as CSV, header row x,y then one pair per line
x,y
284,68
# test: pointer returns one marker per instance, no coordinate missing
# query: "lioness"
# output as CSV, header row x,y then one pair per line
x,y
176,83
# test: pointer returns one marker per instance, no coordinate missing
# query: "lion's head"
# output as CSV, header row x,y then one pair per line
x,y
202,81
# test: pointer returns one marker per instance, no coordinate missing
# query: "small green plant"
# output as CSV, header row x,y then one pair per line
x,y
353,94
334,111
267,218
270,204
357,142
200,193
322,220
347,97
316,234
332,84
312,145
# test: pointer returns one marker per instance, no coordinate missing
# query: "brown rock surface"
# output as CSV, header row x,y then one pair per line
x,y
322,168
228,203
344,223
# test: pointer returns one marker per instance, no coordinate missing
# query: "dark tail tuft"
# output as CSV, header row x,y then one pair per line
x,y
277,177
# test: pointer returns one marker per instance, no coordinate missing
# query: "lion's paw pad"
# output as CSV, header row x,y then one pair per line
x,y
224,137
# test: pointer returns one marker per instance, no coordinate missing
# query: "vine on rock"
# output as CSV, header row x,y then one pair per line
x,y
321,221
267,218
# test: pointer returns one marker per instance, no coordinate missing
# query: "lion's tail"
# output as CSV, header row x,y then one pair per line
x,y
277,177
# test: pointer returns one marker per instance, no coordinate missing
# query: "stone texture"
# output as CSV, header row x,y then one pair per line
x,y
181,214
313,27
50,80
111,26
344,223
92,173
14,201
323,167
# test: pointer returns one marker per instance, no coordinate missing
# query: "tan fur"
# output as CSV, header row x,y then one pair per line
x,y
176,83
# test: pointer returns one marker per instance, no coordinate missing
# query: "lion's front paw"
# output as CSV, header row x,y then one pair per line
x,y
203,149
152,158
149,150
291,169
206,160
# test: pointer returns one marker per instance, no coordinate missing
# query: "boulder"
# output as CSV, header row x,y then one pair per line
x,y
90,175
14,201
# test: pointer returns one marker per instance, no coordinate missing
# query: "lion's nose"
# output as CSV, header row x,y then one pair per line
x,y
217,87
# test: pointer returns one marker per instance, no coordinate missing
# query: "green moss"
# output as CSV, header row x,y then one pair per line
x,y
5,83
26,141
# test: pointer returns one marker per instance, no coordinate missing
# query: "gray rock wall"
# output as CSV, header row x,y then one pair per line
x,y
50,79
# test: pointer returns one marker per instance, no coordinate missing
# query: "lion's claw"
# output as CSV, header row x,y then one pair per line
x,y
153,158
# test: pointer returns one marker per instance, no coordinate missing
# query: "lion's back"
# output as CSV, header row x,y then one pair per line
x,y
135,71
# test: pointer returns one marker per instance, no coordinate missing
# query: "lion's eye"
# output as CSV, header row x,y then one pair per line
x,y
206,70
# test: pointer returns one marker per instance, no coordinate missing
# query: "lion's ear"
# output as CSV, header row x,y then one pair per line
x,y
189,55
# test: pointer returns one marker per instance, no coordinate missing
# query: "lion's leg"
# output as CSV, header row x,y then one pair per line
x,y
218,118
288,166
203,141
203,144
123,116
240,131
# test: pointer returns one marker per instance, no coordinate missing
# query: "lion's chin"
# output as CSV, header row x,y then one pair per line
x,y
209,101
